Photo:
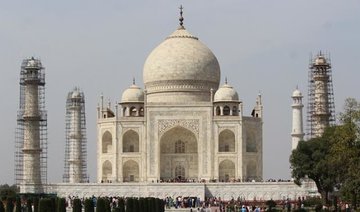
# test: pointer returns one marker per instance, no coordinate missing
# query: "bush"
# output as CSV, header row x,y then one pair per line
x,y
45,205
28,205
9,205
2,209
89,205
77,205
61,205
36,204
18,204
107,205
100,205
116,210
129,205
122,205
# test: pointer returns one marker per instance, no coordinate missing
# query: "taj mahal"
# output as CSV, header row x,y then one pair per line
x,y
184,133
183,125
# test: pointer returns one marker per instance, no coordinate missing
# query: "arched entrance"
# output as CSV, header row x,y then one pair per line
x,y
131,171
106,171
226,171
178,155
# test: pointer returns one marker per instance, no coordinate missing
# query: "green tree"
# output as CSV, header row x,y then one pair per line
x,y
100,205
89,205
45,205
61,205
345,151
122,205
18,204
8,191
311,160
28,205
36,204
9,204
2,208
77,205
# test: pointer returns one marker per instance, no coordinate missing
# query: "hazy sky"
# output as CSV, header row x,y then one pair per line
x,y
101,45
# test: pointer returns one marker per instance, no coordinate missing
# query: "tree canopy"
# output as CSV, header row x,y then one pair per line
x,y
332,161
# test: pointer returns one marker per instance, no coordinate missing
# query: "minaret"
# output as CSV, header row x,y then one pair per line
x,y
321,112
258,109
31,133
297,132
75,150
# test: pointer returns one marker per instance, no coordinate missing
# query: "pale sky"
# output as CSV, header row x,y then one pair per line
x,y
101,45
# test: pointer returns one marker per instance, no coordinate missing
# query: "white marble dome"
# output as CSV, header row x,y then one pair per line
x,y
75,94
133,94
297,93
226,93
183,65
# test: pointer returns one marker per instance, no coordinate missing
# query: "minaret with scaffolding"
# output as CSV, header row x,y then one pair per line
x,y
321,107
75,148
31,131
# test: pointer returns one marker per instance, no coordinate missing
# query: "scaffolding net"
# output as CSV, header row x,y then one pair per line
x,y
75,169
31,130
321,106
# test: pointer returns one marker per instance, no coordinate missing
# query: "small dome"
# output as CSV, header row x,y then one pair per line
x,y
226,93
33,63
133,94
320,60
297,93
75,94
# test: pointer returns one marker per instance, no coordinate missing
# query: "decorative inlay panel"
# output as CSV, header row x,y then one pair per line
x,y
190,124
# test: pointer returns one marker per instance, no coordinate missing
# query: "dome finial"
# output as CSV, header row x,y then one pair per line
x,y
181,19
133,80
226,80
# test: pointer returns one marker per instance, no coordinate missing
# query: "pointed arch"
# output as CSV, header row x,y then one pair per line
x,y
133,111
226,110
106,142
226,171
130,141
106,171
251,142
218,111
251,172
235,111
226,141
178,148
131,171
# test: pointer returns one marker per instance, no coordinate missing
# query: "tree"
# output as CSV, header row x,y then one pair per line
x,y
28,205
9,204
89,205
100,205
45,205
77,205
61,205
311,160
36,204
2,209
345,150
18,204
